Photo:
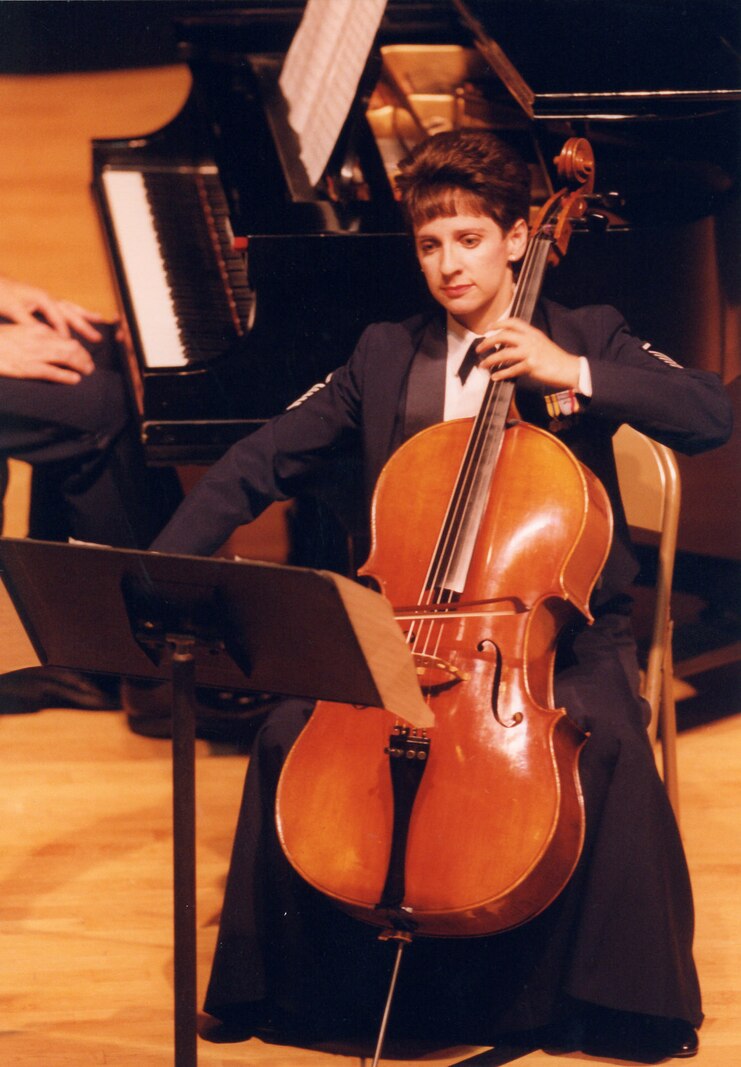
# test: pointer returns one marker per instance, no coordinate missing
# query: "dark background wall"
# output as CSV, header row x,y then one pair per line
x,y
38,37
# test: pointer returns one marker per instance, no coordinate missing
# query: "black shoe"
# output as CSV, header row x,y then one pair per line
x,y
231,717
34,688
235,1026
240,1022
641,1038
682,1040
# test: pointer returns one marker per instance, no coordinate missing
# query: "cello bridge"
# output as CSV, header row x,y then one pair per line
x,y
433,671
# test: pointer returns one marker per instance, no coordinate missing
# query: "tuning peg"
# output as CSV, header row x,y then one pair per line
x,y
597,221
608,200
612,200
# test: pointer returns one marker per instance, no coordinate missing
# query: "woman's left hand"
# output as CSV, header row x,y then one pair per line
x,y
515,349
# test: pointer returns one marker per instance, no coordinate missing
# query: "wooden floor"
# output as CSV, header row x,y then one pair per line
x,y
85,833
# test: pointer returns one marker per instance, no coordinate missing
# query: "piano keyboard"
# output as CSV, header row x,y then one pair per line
x,y
187,286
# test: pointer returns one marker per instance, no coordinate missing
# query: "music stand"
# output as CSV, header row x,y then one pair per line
x,y
230,625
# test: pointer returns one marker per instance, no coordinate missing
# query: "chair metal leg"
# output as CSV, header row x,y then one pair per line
x,y
668,716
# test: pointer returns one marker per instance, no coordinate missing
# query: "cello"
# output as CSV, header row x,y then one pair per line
x,y
473,826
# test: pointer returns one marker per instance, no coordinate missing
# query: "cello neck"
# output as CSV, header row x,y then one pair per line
x,y
449,567
531,276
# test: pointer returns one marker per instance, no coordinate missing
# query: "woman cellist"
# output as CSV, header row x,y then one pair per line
x,y
608,966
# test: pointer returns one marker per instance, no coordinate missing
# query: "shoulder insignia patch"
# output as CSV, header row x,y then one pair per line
x,y
662,356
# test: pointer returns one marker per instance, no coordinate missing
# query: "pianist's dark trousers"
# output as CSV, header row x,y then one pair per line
x,y
90,481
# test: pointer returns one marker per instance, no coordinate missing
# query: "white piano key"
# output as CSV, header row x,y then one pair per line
x,y
153,306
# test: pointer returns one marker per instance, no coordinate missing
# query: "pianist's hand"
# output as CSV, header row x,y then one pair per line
x,y
37,351
30,348
19,302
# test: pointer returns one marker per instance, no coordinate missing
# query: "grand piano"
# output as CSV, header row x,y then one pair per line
x,y
242,282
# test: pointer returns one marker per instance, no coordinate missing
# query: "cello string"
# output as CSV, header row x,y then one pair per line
x,y
486,436
496,393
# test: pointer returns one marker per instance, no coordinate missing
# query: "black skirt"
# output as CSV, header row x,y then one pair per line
x,y
619,936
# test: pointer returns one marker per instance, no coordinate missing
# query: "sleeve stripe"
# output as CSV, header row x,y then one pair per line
x,y
661,356
308,393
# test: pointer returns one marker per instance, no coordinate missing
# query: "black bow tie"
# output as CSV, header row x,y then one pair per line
x,y
470,360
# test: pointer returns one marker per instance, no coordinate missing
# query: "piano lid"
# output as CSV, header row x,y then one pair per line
x,y
654,85
610,59
605,59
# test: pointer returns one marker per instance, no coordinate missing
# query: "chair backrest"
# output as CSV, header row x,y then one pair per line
x,y
651,492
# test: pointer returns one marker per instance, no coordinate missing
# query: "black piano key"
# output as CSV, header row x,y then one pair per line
x,y
206,277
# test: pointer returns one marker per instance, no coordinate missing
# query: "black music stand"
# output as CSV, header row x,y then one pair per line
x,y
230,625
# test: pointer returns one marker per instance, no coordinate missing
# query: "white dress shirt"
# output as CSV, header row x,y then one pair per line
x,y
463,399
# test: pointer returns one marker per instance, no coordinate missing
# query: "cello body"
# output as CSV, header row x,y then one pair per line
x,y
495,827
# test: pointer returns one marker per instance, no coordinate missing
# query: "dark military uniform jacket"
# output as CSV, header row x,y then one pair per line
x,y
368,407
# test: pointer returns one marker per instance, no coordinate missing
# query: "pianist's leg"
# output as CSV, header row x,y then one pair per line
x,y
90,482
90,479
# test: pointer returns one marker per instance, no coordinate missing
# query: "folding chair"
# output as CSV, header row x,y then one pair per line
x,y
651,492
3,487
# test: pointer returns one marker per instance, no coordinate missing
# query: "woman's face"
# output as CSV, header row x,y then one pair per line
x,y
467,263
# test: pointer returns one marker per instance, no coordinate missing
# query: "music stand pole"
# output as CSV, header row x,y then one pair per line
x,y
182,662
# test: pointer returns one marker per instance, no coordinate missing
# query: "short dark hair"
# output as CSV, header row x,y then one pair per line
x,y
464,169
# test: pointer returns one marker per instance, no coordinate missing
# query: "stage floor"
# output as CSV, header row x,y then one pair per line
x,y
85,828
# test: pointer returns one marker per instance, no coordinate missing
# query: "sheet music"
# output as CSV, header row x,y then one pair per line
x,y
322,70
